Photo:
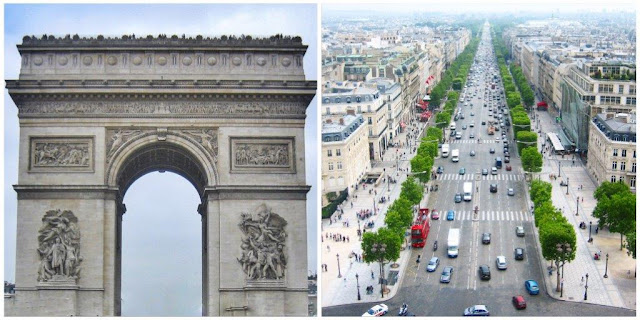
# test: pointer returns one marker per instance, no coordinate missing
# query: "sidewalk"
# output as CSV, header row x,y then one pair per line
x,y
619,289
344,290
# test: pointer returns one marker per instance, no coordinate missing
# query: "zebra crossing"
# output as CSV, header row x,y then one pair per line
x,y
472,176
494,215
474,141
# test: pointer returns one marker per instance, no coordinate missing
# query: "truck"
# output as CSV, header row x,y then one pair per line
x,y
468,191
491,129
445,150
453,243
455,155
420,229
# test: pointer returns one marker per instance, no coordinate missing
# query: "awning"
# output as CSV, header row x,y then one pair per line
x,y
542,104
402,124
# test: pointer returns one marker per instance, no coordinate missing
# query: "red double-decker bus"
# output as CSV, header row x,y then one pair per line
x,y
543,106
420,229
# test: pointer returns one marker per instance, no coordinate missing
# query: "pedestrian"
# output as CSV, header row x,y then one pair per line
x,y
328,248
582,280
596,229
372,277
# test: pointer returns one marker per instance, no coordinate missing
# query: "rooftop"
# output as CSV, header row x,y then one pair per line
x,y
618,127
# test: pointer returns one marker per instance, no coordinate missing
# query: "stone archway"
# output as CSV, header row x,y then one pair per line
x,y
95,114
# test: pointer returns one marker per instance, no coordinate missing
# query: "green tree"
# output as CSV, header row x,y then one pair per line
x,y
513,99
412,190
397,222
552,235
423,164
540,192
607,189
457,84
621,214
442,119
526,139
545,212
434,132
630,243
531,159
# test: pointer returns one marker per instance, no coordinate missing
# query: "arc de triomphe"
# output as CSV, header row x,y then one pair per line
x,y
95,114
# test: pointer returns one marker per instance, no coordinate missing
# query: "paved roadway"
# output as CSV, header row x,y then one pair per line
x,y
498,214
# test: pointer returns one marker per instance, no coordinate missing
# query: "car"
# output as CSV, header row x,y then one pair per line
x,y
445,277
498,129
433,264
497,139
510,192
490,109
492,150
458,136
461,171
472,124
440,170
532,287
462,116
501,263
494,171
472,135
466,103
508,167
472,114
520,231
518,302
435,215
483,123
453,133
457,198
518,254
477,310
486,238
493,188
507,159
377,311
484,272
464,126
472,153
485,172
451,215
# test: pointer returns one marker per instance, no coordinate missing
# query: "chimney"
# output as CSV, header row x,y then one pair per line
x,y
328,121
342,121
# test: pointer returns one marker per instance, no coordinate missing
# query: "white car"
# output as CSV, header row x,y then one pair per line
x,y
501,263
377,311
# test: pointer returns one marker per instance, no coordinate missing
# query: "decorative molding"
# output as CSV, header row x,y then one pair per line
x,y
61,154
263,254
262,154
116,138
59,248
207,138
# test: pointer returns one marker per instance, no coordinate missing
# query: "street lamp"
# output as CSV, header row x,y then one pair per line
x,y
358,285
338,257
567,184
360,232
577,204
564,249
559,163
586,287
606,266
380,247
590,239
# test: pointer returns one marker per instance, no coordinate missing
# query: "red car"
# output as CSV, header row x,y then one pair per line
x,y
508,168
518,302
435,215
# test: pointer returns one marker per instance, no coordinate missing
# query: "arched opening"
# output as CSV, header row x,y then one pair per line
x,y
160,257
161,248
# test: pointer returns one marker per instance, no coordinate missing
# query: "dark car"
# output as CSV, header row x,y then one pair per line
x,y
457,198
440,170
507,159
493,188
485,172
484,122
518,302
519,254
486,238
492,150
485,273
452,134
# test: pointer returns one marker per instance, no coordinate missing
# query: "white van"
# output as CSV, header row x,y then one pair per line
x,y
452,126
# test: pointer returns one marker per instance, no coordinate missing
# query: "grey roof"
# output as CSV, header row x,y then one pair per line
x,y
335,131
616,128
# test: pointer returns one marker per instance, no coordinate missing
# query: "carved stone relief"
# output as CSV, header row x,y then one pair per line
x,y
116,138
262,245
262,155
264,108
59,247
66,153
208,138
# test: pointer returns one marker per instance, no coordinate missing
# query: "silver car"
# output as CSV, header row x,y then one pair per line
x,y
433,264
445,277
501,263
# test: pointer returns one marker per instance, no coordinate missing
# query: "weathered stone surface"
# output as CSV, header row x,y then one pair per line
x,y
228,114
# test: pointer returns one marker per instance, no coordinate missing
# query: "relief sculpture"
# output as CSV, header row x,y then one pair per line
x,y
250,154
118,138
262,246
60,154
59,247
207,138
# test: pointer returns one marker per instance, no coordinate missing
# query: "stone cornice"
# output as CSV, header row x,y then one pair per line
x,y
161,41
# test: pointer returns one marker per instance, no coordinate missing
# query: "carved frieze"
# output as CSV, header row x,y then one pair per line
x,y
116,138
262,155
59,247
207,138
263,244
211,108
61,154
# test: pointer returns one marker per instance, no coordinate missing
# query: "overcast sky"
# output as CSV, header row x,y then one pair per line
x,y
161,255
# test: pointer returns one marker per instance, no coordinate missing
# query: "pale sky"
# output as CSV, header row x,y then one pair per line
x,y
161,219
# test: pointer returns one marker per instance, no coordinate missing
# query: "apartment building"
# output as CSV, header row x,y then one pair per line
x,y
612,148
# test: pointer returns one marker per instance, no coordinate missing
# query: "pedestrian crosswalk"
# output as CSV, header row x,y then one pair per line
x,y
475,141
494,215
472,176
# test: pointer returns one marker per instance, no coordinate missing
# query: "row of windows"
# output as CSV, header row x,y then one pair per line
x,y
339,165
609,99
623,153
359,109
623,166
632,181
329,152
604,87
357,99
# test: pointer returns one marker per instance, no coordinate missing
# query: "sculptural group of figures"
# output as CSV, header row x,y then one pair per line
x,y
262,247
59,246
248,154
61,154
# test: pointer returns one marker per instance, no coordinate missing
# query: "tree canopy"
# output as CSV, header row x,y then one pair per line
x,y
391,241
